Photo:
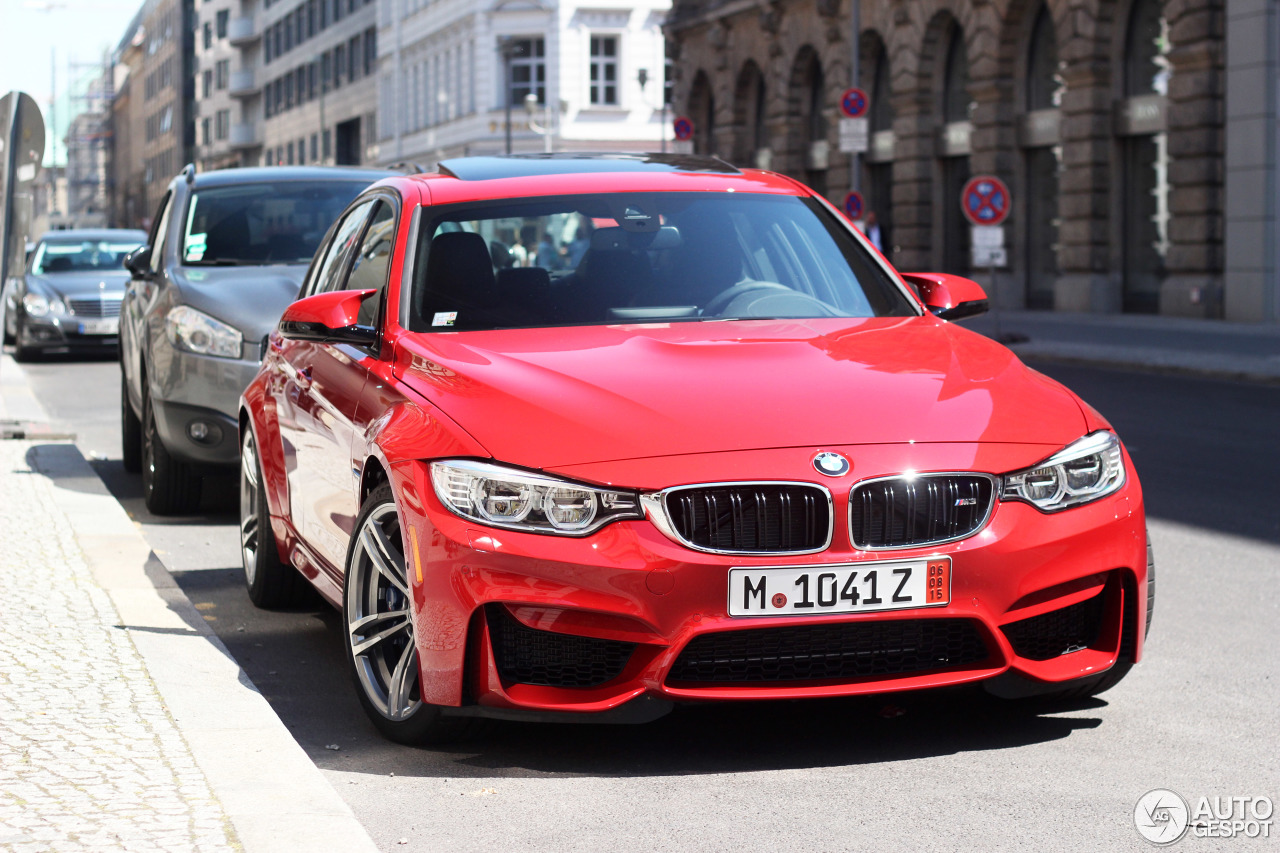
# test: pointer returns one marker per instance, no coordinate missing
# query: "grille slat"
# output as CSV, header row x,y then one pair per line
x,y
829,652
1058,632
756,518
527,656
95,307
931,508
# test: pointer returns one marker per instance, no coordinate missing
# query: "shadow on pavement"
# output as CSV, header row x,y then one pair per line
x,y
219,499
296,660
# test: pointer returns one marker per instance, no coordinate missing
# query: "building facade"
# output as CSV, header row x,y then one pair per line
x,y
448,72
1134,174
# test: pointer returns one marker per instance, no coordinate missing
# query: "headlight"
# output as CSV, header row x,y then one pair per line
x,y
197,332
39,305
1084,471
521,500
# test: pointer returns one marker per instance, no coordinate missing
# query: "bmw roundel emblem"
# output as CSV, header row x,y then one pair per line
x,y
831,464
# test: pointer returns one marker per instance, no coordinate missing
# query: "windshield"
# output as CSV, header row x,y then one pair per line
x,y
642,258
262,223
81,256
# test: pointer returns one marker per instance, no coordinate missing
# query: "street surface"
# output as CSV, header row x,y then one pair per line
x,y
929,771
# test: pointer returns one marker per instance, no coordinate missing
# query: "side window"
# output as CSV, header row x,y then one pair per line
x,y
159,231
335,260
369,271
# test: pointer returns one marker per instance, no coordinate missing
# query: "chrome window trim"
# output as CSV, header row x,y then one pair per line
x,y
655,509
986,518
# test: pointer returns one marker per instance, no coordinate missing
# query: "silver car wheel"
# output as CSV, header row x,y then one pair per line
x,y
249,532
379,622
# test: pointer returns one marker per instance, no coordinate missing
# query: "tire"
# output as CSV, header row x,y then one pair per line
x,y
381,651
130,430
270,581
168,486
21,353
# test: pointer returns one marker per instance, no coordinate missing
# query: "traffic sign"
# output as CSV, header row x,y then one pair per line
x,y
854,103
990,256
853,205
985,200
854,135
683,128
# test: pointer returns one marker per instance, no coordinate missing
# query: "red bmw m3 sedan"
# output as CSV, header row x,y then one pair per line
x,y
571,437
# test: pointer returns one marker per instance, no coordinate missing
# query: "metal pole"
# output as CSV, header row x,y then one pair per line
x,y
505,47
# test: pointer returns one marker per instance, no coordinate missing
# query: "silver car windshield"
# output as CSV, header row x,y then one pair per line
x,y
642,258
80,256
262,223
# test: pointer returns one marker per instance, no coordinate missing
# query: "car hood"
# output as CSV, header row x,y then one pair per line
x,y
83,285
249,298
545,398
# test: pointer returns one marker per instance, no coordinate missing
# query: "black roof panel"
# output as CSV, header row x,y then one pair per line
x,y
270,174
533,165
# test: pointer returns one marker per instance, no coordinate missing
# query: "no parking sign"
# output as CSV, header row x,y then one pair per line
x,y
985,200
853,205
683,128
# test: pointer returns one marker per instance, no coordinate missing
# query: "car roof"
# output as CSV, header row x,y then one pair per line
x,y
515,176
271,174
75,235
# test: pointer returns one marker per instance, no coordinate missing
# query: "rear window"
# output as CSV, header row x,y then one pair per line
x,y
264,223
642,258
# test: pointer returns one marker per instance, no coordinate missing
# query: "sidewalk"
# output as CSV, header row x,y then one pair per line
x,y
124,723
1210,348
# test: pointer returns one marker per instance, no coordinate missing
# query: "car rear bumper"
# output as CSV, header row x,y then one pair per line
x,y
557,624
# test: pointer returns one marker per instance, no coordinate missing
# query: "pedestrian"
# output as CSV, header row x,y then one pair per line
x,y
871,228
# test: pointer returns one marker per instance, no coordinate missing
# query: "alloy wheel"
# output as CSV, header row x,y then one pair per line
x,y
249,532
379,621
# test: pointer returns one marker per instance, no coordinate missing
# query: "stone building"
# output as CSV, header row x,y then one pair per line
x,y
1138,137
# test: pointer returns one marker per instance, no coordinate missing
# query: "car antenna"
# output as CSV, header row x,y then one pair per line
x,y
189,172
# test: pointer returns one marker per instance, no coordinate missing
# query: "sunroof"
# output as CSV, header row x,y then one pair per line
x,y
532,165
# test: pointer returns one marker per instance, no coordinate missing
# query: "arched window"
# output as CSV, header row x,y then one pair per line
x,y
1042,160
957,108
751,143
702,111
815,121
1144,153
877,183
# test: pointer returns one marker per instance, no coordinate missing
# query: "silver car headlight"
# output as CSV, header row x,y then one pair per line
x,y
39,305
1083,471
197,332
522,500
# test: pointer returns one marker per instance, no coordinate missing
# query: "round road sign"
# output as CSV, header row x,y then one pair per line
x,y
985,200
684,128
854,103
853,205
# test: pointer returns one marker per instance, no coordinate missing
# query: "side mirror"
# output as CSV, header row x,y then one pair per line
x,y
329,318
138,262
948,296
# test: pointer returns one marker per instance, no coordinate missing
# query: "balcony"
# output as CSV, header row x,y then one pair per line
x,y
242,31
244,136
243,84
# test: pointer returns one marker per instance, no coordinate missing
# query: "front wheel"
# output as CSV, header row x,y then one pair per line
x,y
130,430
169,487
381,651
271,582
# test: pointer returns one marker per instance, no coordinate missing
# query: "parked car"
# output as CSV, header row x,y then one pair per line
x,y
68,297
225,255
731,454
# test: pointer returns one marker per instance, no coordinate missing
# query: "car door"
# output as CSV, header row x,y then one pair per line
x,y
317,400
139,294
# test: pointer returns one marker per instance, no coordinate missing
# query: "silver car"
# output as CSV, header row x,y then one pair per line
x,y
225,256
68,297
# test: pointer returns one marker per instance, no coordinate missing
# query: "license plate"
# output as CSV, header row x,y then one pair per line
x,y
105,326
851,588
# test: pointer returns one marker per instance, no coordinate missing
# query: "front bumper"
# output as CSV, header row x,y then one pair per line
x,y
187,389
520,621
64,333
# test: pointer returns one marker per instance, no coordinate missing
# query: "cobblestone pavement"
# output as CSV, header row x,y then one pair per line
x,y
90,758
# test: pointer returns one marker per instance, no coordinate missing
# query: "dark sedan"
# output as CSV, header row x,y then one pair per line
x,y
68,297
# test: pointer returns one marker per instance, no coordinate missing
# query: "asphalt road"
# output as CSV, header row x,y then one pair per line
x,y
947,770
